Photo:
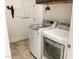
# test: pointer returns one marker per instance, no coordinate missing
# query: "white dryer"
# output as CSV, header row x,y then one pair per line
x,y
55,42
35,36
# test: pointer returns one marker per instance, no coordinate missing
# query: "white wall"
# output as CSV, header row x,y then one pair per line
x,y
18,28
70,50
7,45
36,11
60,12
4,41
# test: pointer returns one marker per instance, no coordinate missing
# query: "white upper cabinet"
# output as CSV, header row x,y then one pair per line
x,y
22,8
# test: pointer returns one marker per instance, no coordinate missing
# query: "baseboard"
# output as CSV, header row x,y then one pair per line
x,y
18,39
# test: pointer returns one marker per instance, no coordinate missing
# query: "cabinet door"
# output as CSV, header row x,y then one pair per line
x,y
61,0
39,1
22,8
43,1
47,0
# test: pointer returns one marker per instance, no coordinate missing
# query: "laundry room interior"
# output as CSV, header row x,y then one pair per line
x,y
39,29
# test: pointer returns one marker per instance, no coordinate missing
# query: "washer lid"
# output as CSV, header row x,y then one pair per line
x,y
57,34
36,26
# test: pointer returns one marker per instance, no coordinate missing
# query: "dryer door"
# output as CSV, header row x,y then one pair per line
x,y
52,49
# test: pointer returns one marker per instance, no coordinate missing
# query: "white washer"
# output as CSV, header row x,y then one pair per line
x,y
55,43
35,36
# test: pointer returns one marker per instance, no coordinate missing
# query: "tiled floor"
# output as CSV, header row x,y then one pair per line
x,y
20,50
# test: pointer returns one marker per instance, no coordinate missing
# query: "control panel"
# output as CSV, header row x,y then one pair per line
x,y
47,23
64,26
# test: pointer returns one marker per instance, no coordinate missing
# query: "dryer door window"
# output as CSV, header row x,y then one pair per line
x,y
52,49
